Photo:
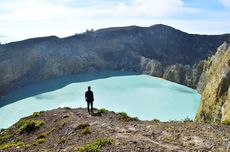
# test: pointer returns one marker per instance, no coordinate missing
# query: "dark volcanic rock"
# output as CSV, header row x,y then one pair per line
x,y
158,50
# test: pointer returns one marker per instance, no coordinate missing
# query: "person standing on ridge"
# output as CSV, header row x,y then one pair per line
x,y
89,99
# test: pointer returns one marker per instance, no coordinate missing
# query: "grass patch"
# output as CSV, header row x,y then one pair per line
x,y
103,110
36,114
44,134
31,125
124,117
82,126
62,123
86,131
20,122
53,129
11,144
94,147
38,141
28,125
4,138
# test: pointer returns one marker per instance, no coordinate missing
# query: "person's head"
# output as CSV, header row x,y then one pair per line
x,y
89,87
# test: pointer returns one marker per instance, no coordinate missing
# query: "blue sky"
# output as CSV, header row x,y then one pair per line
x,y
21,19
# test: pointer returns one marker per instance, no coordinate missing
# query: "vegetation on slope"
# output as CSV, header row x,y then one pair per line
x,y
110,132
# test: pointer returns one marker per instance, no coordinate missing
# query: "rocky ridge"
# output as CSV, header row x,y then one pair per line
x,y
74,130
214,83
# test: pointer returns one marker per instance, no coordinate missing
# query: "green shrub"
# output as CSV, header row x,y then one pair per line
x,y
123,116
94,147
30,126
103,110
85,131
67,108
36,114
62,123
156,120
82,126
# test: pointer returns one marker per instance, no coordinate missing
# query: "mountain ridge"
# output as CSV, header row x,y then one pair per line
x,y
158,50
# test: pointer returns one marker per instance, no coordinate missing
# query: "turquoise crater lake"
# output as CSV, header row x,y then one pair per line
x,y
143,96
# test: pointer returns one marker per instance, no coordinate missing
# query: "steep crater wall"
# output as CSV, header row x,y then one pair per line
x,y
158,50
214,83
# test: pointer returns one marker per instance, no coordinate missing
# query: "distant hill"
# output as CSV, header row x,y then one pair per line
x,y
158,50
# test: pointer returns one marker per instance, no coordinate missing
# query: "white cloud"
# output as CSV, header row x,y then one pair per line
x,y
150,8
39,10
26,10
226,3
32,18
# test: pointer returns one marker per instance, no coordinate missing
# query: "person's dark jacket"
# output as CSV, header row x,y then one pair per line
x,y
89,96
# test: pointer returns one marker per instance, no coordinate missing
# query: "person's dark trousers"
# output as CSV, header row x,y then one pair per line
x,y
90,104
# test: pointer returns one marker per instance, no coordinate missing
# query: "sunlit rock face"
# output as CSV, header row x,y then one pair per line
x,y
215,81
157,50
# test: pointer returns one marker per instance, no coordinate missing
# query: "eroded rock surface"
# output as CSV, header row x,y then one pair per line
x,y
214,83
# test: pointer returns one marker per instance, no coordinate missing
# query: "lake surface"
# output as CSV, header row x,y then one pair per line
x,y
143,96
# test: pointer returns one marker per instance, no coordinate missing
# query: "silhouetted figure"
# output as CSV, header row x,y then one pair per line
x,y
89,99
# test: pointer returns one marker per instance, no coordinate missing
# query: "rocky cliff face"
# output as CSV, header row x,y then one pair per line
x,y
158,50
214,83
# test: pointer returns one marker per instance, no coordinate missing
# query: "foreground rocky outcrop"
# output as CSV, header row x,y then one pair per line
x,y
214,83
72,130
157,50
